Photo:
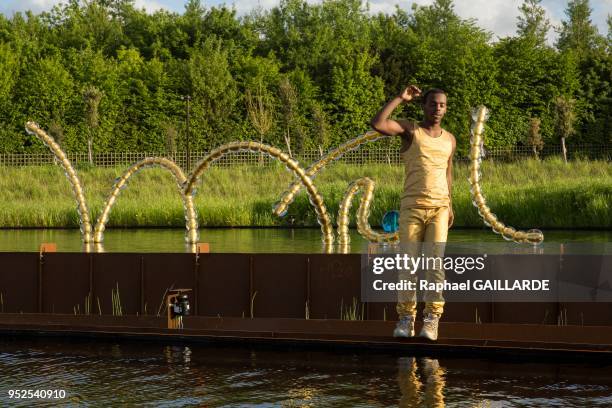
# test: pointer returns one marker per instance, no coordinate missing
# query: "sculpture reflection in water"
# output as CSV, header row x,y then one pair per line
x,y
187,190
421,382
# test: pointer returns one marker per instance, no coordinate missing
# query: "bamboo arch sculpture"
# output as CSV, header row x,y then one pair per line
x,y
292,165
280,208
71,174
363,213
186,186
191,235
479,117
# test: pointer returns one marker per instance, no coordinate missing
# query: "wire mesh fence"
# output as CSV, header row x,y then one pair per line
x,y
379,155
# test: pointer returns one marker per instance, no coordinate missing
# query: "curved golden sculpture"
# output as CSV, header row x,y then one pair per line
x,y
363,213
77,188
315,198
479,116
280,208
187,189
191,220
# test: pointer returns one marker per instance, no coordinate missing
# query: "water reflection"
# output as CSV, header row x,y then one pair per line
x,y
421,382
178,354
111,374
246,240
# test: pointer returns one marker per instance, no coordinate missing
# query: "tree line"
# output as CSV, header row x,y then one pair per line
x,y
103,75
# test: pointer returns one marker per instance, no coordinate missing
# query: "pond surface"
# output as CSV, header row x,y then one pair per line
x,y
106,373
153,374
245,240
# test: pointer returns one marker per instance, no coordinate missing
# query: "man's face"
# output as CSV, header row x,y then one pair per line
x,y
435,107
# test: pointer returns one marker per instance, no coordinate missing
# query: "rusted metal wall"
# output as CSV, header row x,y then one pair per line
x,y
224,284
334,283
19,282
234,285
160,272
279,285
65,281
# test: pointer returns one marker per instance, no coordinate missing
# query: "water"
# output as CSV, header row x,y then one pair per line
x,y
102,373
246,240
112,374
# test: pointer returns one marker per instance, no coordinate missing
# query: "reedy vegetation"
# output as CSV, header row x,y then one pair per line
x,y
530,193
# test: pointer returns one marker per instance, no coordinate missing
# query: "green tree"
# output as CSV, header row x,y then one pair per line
x,y
45,93
308,96
320,128
9,74
609,21
326,66
531,78
594,99
291,119
258,75
564,121
534,138
260,110
393,42
94,23
579,36
578,33
214,92
89,67
92,97
454,54
533,21
141,91
355,95
171,138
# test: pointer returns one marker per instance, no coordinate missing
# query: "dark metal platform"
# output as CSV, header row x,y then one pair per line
x,y
292,299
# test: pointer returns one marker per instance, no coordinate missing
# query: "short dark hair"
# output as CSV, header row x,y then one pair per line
x,y
431,91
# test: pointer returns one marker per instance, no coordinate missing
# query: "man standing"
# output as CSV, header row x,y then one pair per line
x,y
426,211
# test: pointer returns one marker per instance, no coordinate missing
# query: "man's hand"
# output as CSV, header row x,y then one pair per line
x,y
381,122
410,93
451,216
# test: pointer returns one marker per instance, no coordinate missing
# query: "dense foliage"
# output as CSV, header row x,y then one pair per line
x,y
314,74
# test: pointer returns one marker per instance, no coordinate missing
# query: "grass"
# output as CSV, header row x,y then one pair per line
x,y
253,304
354,311
116,301
529,193
87,304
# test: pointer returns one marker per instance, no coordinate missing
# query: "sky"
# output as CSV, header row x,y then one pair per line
x,y
497,16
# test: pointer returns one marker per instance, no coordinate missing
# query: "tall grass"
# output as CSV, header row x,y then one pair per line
x,y
116,301
354,311
549,194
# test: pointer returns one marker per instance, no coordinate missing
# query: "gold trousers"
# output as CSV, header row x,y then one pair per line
x,y
424,390
422,231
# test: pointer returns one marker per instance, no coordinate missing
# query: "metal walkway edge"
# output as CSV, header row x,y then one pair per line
x,y
460,338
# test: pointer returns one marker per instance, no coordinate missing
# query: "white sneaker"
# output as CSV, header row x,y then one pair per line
x,y
430,326
429,366
404,327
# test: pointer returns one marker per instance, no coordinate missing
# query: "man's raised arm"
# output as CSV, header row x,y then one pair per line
x,y
381,122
